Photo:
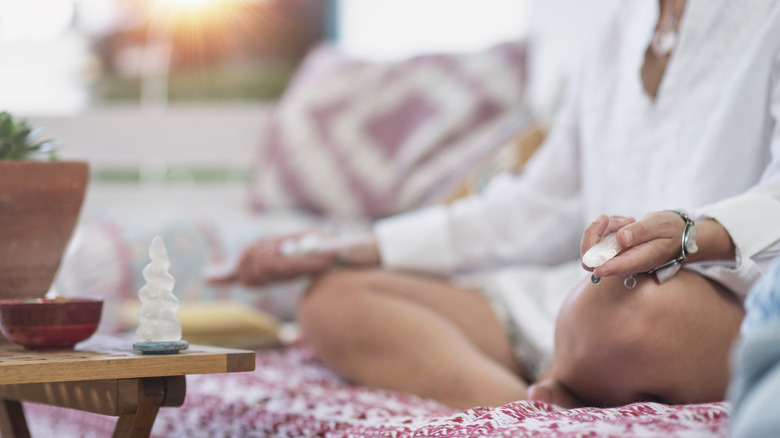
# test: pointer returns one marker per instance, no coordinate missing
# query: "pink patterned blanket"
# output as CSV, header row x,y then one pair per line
x,y
291,394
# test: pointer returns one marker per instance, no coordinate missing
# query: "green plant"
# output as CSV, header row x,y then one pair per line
x,y
18,141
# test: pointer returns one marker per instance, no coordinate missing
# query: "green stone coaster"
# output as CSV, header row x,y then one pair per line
x,y
167,347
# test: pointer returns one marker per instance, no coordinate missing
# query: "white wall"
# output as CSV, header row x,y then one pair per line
x,y
559,30
43,62
179,137
216,135
381,29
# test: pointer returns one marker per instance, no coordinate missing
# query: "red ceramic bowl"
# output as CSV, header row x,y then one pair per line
x,y
41,324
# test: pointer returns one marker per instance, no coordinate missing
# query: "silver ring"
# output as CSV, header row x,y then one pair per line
x,y
630,282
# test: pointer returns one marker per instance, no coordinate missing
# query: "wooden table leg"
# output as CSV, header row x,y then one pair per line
x,y
12,421
142,401
151,392
135,401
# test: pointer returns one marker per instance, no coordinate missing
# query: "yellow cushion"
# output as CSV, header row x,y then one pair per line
x,y
222,323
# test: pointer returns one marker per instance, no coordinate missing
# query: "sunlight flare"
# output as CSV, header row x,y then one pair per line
x,y
192,4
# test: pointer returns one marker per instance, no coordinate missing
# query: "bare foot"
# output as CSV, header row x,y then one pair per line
x,y
551,391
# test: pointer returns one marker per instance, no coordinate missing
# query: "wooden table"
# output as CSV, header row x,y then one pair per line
x,y
103,375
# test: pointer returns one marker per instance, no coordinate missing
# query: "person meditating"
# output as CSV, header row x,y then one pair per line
x,y
486,301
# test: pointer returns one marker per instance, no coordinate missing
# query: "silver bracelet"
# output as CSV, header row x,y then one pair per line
x,y
668,269
687,246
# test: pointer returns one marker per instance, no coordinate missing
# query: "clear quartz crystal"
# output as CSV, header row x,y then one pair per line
x,y
304,245
602,252
690,244
317,243
157,320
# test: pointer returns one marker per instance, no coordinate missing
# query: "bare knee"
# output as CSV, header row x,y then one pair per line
x,y
333,285
657,342
331,311
328,298
598,338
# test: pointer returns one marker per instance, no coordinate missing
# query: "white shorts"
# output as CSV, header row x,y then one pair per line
x,y
527,300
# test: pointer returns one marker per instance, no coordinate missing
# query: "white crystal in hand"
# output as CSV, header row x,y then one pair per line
x,y
314,244
157,316
602,252
690,245
304,245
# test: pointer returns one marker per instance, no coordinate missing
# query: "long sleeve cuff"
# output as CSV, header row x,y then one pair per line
x,y
416,241
751,221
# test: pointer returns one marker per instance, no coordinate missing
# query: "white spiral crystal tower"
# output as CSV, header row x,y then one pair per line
x,y
157,316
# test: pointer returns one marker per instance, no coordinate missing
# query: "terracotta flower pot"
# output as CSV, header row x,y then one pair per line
x,y
39,207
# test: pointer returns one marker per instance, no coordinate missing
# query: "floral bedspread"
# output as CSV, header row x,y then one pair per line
x,y
291,394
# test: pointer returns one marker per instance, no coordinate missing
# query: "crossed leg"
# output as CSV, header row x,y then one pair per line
x,y
664,342
414,334
613,346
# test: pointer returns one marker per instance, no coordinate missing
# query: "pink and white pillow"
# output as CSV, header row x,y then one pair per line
x,y
355,139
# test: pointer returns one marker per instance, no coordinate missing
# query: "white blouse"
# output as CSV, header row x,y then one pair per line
x,y
709,143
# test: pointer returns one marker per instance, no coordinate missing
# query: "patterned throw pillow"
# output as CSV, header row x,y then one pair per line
x,y
355,139
509,158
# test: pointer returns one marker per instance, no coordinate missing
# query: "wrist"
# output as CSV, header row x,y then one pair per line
x,y
361,250
714,242
689,235
688,246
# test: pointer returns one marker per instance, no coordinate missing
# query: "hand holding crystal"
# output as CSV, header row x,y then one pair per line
x,y
284,258
643,245
599,241
275,259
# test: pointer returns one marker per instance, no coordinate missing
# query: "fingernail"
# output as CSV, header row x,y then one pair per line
x,y
627,236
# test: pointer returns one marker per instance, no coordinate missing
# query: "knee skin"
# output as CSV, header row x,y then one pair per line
x,y
326,314
665,342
